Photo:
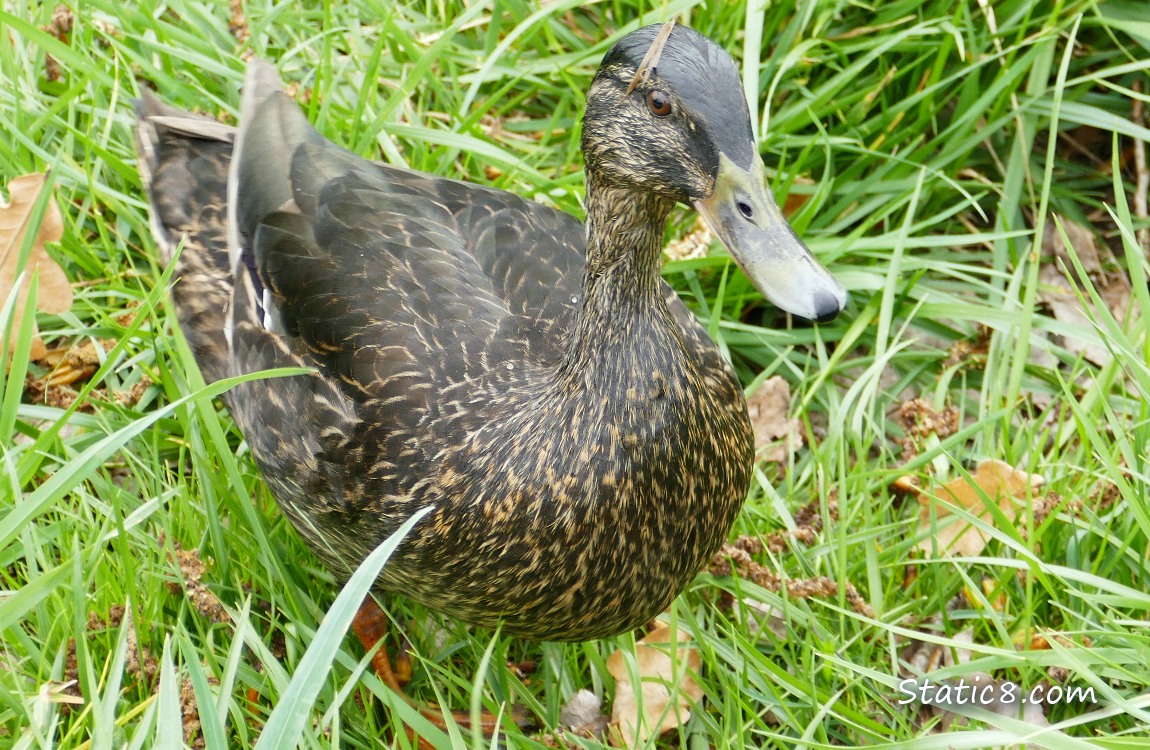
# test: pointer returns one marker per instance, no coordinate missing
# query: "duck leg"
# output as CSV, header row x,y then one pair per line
x,y
370,626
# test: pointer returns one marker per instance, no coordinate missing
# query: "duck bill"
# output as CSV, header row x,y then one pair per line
x,y
744,215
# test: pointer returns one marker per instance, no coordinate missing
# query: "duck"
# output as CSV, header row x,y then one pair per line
x,y
583,445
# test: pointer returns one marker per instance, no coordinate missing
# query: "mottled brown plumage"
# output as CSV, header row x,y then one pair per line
x,y
584,444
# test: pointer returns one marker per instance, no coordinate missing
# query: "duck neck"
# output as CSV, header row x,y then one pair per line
x,y
622,299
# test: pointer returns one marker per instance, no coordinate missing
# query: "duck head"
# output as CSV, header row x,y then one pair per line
x,y
666,114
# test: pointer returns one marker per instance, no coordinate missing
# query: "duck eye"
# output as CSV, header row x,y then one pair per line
x,y
659,103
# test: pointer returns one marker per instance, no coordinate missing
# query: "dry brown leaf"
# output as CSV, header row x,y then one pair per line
x,y
1057,291
1081,241
952,698
1044,640
776,436
581,715
991,593
55,292
667,688
1004,485
1065,307
761,616
74,362
1115,291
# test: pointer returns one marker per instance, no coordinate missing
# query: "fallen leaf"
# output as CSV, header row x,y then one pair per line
x,y
1066,308
1059,294
1001,483
55,292
776,436
666,691
1044,640
74,362
581,714
992,593
953,698
1082,242
761,616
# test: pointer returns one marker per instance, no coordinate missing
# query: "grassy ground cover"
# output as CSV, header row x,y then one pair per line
x,y
971,170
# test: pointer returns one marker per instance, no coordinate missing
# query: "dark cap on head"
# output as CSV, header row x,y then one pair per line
x,y
705,78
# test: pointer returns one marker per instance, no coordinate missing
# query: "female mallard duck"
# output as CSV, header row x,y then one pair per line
x,y
584,445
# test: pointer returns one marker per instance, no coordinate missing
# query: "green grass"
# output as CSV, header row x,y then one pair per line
x,y
933,141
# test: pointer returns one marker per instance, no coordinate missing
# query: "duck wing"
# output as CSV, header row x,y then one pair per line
x,y
397,284
183,162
